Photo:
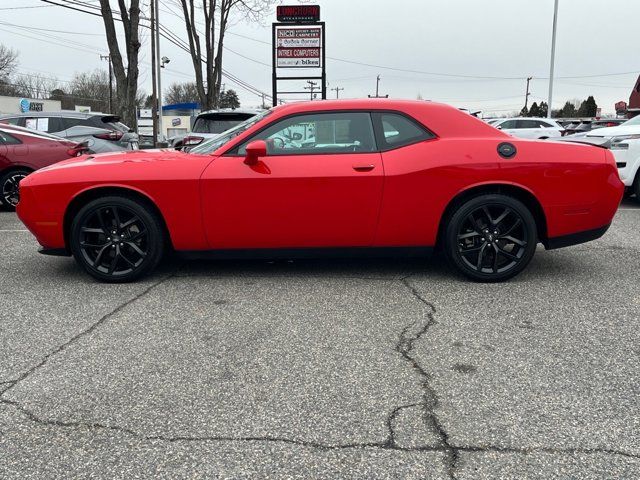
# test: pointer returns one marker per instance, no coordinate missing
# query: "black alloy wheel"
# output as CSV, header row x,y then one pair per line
x,y
117,239
491,238
10,188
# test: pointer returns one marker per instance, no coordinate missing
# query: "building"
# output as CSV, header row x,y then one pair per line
x,y
634,100
10,105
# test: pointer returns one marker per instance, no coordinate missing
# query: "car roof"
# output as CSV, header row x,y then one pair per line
x,y
231,111
69,114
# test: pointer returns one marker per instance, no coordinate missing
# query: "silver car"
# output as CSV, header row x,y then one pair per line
x,y
102,132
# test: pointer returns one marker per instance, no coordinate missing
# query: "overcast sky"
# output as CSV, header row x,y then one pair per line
x,y
464,40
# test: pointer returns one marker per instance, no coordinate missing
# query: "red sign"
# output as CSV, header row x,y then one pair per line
x,y
298,13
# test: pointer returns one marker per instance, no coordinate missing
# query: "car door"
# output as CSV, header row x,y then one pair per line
x,y
320,185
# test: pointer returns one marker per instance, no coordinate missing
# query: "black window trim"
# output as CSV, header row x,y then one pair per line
x,y
378,132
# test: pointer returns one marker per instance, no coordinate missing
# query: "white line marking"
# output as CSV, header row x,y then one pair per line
x,y
22,230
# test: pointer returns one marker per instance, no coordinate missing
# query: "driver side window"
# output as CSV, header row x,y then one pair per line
x,y
319,133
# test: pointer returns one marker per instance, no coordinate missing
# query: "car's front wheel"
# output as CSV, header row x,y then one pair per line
x,y
117,239
491,237
9,188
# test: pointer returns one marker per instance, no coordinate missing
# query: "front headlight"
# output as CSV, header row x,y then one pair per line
x,y
619,142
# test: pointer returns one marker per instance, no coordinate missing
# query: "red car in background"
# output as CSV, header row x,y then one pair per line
x,y
337,177
23,151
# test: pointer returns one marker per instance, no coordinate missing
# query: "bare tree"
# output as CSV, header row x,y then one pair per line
x,y
181,93
216,15
34,86
8,61
126,97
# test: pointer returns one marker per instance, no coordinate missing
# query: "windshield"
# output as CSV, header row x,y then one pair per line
x,y
634,121
215,143
219,123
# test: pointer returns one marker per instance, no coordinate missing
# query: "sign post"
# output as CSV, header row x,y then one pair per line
x,y
298,41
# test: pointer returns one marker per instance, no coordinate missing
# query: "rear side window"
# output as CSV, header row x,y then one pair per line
x,y
73,122
398,130
527,124
508,124
11,121
7,139
218,123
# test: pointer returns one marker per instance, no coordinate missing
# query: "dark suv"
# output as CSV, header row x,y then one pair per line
x,y
101,132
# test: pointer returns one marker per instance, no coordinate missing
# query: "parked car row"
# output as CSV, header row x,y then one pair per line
x,y
624,142
584,126
23,151
101,132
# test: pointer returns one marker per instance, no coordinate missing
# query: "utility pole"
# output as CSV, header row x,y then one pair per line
x,y
526,97
377,95
553,58
311,87
108,58
154,87
337,90
158,62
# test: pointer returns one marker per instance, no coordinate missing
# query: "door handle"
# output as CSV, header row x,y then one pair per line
x,y
364,168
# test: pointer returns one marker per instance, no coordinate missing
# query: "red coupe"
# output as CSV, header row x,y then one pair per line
x,y
346,176
22,151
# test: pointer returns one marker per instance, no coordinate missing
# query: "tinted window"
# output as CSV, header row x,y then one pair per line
x,y
11,121
7,139
398,130
73,122
545,124
318,133
218,123
527,124
508,124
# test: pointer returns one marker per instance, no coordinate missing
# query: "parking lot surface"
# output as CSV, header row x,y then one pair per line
x,y
322,369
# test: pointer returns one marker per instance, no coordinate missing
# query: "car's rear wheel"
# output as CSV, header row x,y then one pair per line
x,y
9,188
491,237
636,186
117,239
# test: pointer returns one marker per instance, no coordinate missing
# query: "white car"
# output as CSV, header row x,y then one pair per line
x,y
211,124
624,143
529,127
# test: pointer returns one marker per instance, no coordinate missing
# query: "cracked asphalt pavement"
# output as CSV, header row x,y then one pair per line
x,y
322,369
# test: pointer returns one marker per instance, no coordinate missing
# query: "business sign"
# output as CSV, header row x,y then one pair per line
x,y
298,47
175,122
28,106
298,13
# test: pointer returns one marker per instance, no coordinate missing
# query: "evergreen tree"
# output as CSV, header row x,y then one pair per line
x,y
229,99
569,110
543,109
535,110
524,112
588,108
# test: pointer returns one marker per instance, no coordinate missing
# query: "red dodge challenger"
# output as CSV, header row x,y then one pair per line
x,y
338,177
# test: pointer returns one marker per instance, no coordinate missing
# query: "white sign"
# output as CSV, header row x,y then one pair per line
x,y
298,47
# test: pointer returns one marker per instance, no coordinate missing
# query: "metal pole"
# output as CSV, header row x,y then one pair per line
x,y
108,58
160,129
154,87
553,57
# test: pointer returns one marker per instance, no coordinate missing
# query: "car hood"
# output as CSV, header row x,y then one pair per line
x,y
156,155
615,131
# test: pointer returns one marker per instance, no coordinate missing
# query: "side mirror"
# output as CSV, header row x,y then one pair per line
x,y
499,127
254,151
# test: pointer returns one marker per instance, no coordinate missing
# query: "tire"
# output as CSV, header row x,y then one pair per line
x,y
133,251
636,186
490,238
9,193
